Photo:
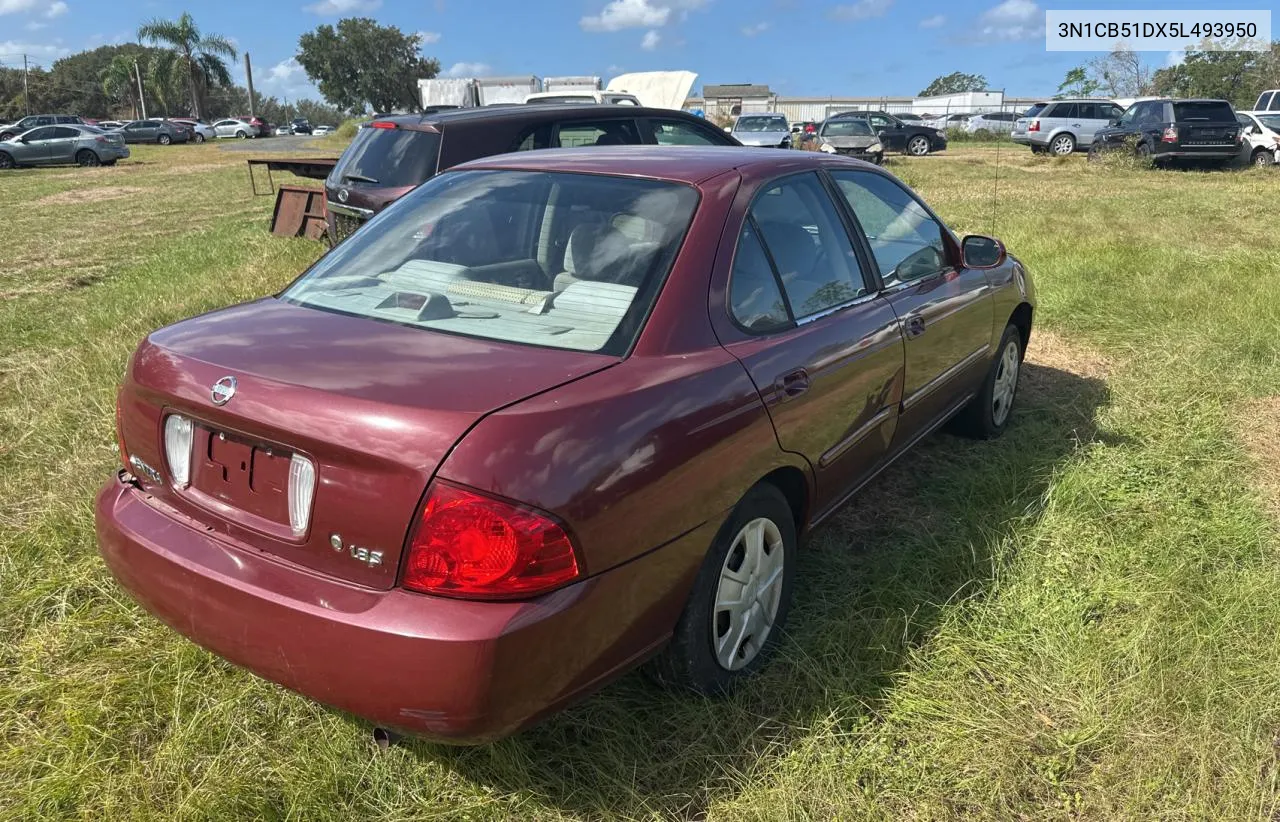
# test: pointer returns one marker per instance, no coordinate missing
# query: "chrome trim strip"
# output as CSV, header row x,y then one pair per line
x,y
834,452
826,312
940,380
350,211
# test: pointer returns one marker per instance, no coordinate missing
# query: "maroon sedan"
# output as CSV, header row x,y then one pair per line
x,y
550,415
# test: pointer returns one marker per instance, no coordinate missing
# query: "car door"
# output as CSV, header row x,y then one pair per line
x,y
62,148
822,347
895,134
33,148
945,309
1116,137
603,131
1089,118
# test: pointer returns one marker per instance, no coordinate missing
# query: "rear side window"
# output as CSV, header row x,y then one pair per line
x,y
1063,110
64,133
679,133
755,299
391,157
1034,110
1264,100
620,132
1213,111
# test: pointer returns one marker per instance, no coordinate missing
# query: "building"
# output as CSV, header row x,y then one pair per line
x,y
724,101
735,98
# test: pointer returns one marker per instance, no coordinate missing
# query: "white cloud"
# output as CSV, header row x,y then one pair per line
x,y
753,30
39,54
467,70
429,37
34,26
1012,20
286,79
624,14
333,8
56,10
651,40
936,21
15,6
862,10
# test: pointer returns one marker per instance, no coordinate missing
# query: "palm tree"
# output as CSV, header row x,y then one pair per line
x,y
199,56
118,81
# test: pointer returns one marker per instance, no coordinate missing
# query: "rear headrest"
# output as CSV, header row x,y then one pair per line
x,y
793,249
598,252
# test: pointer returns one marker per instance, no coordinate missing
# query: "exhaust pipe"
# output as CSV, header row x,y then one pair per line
x,y
384,738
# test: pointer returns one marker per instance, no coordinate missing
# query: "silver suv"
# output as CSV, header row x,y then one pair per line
x,y
1061,126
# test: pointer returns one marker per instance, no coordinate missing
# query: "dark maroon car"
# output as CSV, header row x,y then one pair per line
x,y
550,415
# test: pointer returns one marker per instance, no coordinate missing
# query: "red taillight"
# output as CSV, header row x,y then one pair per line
x,y
467,544
1170,135
381,124
1034,126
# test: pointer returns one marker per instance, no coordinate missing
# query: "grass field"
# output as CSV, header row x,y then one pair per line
x,y
1078,621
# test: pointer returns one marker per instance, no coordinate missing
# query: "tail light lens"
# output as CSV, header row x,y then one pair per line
x,y
1170,135
177,449
1034,125
381,124
302,490
468,544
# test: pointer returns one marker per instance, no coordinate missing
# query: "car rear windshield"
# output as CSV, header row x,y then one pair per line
x,y
552,259
846,128
1212,111
759,124
1034,110
391,157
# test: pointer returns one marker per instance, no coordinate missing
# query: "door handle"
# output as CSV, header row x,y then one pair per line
x,y
792,384
915,325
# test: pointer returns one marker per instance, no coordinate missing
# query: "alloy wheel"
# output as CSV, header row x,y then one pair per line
x,y
88,159
1063,145
6,161
1006,384
918,147
748,594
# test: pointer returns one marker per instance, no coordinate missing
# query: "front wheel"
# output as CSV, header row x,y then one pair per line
x,y
740,599
987,415
918,146
164,139
87,158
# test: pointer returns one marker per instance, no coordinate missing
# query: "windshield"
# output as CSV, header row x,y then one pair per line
x,y
392,157
577,263
846,128
1209,111
759,124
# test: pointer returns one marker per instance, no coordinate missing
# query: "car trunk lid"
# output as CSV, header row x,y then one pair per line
x,y
375,406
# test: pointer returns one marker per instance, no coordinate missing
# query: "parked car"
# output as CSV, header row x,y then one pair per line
x,y
897,135
111,125
240,129
455,478
1169,130
300,125
391,155
997,122
320,131
1268,101
162,132
63,145
852,138
261,127
1262,133
200,130
1061,126
36,120
762,130
947,121
282,131
908,117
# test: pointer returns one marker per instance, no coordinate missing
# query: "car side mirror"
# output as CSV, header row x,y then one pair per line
x,y
978,251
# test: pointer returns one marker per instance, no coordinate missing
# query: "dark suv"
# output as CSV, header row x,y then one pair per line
x,y
391,155
1170,130
34,121
897,135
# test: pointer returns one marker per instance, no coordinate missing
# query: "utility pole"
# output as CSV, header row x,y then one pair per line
x,y
142,100
26,93
248,76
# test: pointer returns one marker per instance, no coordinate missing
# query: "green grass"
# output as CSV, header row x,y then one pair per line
x,y
1078,621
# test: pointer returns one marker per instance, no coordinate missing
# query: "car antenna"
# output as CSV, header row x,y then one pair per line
x,y
995,183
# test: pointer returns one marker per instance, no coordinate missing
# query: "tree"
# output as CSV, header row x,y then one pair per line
x,y
1237,76
955,83
119,83
1077,83
198,57
1120,74
362,64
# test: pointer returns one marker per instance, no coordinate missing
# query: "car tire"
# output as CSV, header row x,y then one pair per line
x,y
918,146
199,138
109,162
6,160
164,139
1262,156
759,534
1063,145
1038,149
241,135
88,159
988,414
878,159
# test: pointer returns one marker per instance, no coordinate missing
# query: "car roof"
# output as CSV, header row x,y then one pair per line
x,y
683,164
532,113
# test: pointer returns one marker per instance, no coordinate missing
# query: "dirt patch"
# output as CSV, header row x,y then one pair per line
x,y
1259,426
88,195
199,168
1052,351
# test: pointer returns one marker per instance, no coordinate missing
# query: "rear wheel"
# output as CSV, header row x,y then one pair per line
x,y
1062,145
87,158
6,160
740,599
1263,157
1038,149
918,146
987,415
164,139
241,135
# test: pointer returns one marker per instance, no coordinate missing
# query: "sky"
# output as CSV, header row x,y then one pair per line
x,y
797,47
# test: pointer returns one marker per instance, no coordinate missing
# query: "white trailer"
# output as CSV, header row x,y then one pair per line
x,y
577,83
449,91
507,89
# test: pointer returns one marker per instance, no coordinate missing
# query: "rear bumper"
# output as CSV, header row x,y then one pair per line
x,y
453,670
1207,153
